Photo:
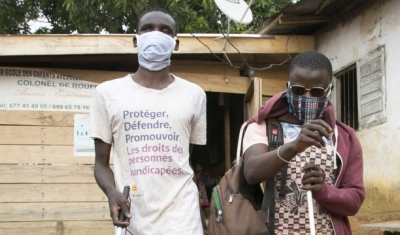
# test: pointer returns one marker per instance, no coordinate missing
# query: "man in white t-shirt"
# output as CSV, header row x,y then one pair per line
x,y
149,121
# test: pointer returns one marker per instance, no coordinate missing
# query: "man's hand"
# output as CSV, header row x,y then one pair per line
x,y
117,203
313,178
311,134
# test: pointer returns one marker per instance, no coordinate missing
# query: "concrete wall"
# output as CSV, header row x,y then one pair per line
x,y
370,26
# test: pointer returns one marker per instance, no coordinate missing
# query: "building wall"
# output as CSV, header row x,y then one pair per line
x,y
44,188
373,25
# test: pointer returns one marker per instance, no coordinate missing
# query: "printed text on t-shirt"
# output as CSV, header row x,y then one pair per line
x,y
150,141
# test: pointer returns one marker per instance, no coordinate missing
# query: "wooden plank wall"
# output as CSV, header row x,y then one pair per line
x,y
44,188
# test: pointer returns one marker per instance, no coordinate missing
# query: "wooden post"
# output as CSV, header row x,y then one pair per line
x,y
228,161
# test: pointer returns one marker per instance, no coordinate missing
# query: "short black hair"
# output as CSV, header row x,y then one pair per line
x,y
311,60
159,9
155,9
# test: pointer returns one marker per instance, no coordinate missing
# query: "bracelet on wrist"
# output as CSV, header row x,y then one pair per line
x,y
284,160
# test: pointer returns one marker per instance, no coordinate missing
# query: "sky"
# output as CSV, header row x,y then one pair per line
x,y
35,25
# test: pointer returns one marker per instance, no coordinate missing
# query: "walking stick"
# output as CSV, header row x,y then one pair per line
x,y
311,212
121,215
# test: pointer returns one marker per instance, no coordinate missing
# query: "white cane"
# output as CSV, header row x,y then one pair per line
x,y
311,212
118,231
309,196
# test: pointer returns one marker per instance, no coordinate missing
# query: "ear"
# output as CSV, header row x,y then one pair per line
x,y
134,41
177,44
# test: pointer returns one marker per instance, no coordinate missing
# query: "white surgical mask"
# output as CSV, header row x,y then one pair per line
x,y
155,49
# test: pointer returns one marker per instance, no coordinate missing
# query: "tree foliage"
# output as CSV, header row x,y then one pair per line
x,y
121,16
14,16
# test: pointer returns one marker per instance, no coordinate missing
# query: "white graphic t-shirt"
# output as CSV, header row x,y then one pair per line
x,y
150,131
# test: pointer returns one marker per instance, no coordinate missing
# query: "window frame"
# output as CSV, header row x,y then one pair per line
x,y
371,89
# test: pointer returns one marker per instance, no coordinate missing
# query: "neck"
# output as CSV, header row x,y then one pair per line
x,y
155,80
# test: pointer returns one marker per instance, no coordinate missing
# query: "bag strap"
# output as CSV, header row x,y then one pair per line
x,y
239,145
234,182
275,139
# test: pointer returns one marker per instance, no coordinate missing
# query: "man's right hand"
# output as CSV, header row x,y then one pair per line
x,y
311,134
117,203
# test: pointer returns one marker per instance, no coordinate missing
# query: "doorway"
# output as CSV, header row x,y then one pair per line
x,y
221,108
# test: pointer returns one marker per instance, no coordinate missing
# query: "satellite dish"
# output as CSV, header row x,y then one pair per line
x,y
236,10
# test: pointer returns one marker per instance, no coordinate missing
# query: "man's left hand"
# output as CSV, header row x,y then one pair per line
x,y
313,177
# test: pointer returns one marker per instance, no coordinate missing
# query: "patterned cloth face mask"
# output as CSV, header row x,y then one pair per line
x,y
155,49
307,108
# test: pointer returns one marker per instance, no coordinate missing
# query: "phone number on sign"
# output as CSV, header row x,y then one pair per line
x,y
45,106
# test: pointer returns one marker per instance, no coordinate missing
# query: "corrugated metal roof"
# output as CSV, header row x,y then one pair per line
x,y
307,16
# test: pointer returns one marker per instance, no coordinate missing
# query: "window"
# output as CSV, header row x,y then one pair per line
x,y
360,93
347,86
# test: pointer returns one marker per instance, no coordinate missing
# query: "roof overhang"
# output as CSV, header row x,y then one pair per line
x,y
93,44
205,59
306,17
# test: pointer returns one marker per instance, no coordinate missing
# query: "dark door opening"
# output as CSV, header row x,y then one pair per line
x,y
212,156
